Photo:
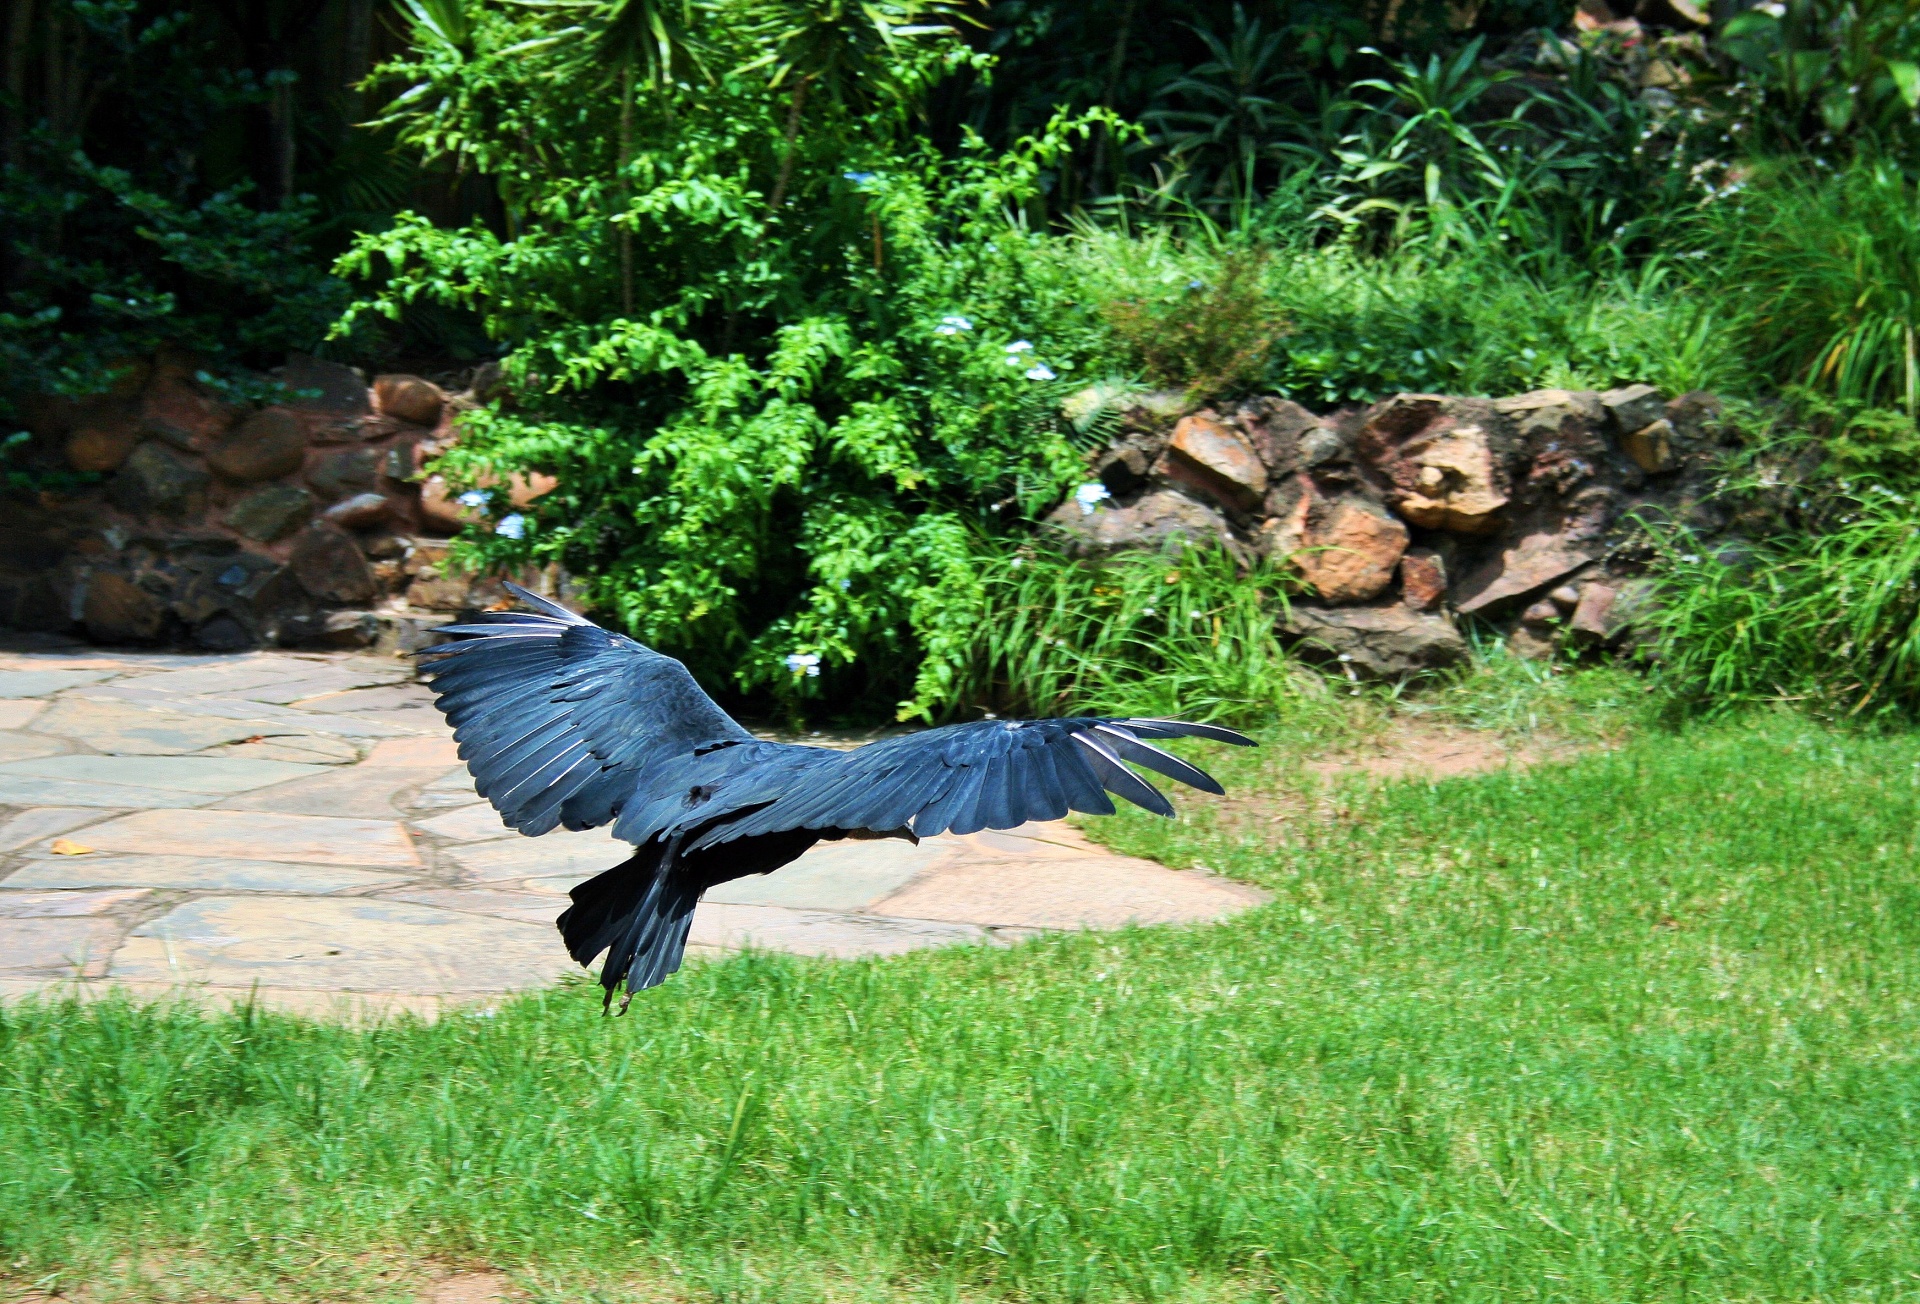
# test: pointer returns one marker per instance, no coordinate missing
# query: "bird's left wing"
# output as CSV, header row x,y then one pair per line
x,y
559,720
991,774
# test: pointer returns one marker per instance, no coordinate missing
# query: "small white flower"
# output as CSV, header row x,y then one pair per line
x,y
1090,496
1020,346
1018,561
512,527
1692,559
1039,371
952,326
474,498
1146,611
803,663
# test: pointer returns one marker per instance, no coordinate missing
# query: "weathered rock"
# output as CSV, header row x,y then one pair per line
x,y
332,629
341,475
437,592
119,611
1440,458
1566,597
442,511
224,632
174,410
409,398
1387,639
1542,612
267,445
525,486
1276,428
1593,617
1345,547
159,481
359,511
330,567
1153,521
402,462
271,513
102,444
1205,455
1633,407
1545,415
1423,579
1520,570
384,547
327,386
1651,448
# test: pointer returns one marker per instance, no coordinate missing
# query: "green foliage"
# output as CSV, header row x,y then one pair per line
x,y
1830,620
1186,632
1627,1029
1214,338
1824,272
1827,72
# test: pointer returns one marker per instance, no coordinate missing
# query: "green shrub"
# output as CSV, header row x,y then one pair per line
x,y
1830,620
1185,632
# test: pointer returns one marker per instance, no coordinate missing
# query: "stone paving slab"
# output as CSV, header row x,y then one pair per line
x,y
297,829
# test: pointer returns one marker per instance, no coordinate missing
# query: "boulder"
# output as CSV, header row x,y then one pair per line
x,y
1123,467
1651,448
271,513
1386,640
174,410
223,632
1346,547
102,444
325,386
409,398
330,567
1524,568
359,511
442,511
1633,407
1423,579
116,610
1440,459
1157,518
1276,429
267,445
158,481
341,475
1544,416
332,629
1206,455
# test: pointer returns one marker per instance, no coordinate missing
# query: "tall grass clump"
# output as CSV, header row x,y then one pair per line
x,y
1824,271
1185,631
1830,620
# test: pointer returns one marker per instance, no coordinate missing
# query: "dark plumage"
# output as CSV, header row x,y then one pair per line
x,y
563,723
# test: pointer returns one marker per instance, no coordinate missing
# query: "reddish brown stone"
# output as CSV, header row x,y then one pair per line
x,y
1525,567
440,508
1206,455
1439,455
103,444
1593,617
180,414
1345,547
409,398
267,445
1423,579
330,567
1651,448
117,610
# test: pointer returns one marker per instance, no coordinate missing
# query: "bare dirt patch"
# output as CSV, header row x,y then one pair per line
x,y
1415,751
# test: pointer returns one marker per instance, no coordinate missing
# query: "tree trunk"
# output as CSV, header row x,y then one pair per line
x,y
280,123
19,38
1115,62
793,138
356,39
626,158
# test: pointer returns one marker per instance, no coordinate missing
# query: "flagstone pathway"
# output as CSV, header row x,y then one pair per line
x,y
296,826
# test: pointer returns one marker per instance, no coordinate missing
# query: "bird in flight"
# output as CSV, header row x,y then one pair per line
x,y
564,724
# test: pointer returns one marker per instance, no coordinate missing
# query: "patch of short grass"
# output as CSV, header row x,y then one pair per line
x,y
1641,1027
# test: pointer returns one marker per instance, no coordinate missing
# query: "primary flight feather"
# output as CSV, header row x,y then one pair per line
x,y
565,724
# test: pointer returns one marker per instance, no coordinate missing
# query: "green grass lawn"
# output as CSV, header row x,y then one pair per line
x,y
1638,1028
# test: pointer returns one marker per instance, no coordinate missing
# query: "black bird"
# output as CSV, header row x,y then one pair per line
x,y
563,723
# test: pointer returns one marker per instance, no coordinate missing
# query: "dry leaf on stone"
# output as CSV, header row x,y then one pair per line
x,y
67,847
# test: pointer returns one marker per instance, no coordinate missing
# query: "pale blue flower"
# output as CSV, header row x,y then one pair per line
x,y
1090,496
859,178
474,498
1020,346
952,326
803,663
512,527
1039,371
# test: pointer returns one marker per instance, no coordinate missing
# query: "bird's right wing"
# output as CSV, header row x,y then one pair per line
x,y
991,774
559,719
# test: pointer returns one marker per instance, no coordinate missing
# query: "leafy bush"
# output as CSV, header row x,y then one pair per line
x,y
1186,632
1830,619
1825,273
1212,338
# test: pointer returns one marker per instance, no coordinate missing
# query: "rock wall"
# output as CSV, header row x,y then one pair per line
x,y
1401,518
304,523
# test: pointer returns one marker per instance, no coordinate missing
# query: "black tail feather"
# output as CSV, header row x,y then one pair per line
x,y
638,912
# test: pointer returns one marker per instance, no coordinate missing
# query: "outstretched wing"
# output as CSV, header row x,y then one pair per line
x,y
991,774
559,719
